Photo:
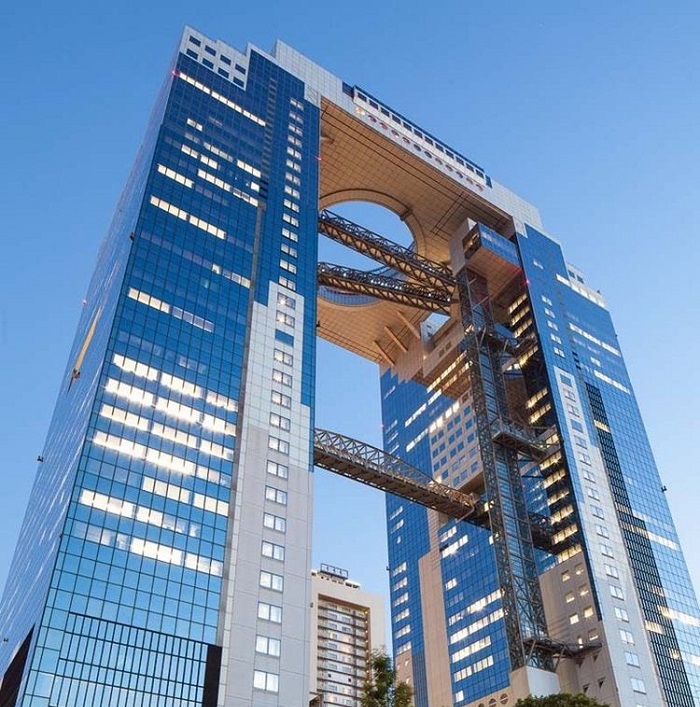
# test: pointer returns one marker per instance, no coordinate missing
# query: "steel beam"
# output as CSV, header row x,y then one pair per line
x,y
359,461
384,287
404,260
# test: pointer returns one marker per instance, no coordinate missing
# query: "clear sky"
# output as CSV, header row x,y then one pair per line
x,y
588,110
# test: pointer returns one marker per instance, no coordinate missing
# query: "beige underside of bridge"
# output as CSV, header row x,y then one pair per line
x,y
358,163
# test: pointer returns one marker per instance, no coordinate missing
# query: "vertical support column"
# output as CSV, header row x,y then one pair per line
x,y
510,527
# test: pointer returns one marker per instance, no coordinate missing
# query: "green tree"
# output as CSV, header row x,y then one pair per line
x,y
561,700
381,689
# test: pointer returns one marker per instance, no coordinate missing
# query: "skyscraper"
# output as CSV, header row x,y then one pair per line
x,y
347,625
165,554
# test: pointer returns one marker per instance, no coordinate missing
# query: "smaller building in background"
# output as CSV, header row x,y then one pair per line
x,y
347,624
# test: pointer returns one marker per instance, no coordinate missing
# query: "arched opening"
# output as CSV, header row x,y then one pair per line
x,y
375,217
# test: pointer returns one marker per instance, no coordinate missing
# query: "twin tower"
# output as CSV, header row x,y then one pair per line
x,y
165,555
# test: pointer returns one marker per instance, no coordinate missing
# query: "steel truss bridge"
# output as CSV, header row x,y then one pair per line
x,y
411,279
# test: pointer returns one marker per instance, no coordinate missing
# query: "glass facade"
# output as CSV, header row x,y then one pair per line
x,y
165,554
165,436
611,570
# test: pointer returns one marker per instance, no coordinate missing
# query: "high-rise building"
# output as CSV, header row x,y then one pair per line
x,y
165,555
347,625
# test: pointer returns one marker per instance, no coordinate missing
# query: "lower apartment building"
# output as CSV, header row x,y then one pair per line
x,y
347,624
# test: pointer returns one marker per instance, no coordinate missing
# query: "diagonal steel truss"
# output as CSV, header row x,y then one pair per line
x,y
507,508
404,260
360,461
384,287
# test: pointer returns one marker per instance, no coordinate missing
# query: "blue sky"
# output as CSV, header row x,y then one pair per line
x,y
588,110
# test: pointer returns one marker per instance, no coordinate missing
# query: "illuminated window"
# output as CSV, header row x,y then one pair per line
x,y
283,357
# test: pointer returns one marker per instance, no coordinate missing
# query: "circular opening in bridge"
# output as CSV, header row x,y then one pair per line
x,y
373,217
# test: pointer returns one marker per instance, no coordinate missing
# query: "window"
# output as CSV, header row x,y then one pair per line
x,y
588,612
277,470
291,252
289,267
283,357
632,659
268,646
611,571
626,637
573,619
290,235
274,522
569,597
281,377
597,511
616,592
638,685
270,580
273,551
276,495
195,41
593,493
606,550
225,60
266,681
284,318
602,531
278,398
270,612
289,284
621,614
283,423
278,445
286,300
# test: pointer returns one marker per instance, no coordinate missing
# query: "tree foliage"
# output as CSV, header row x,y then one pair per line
x,y
561,700
381,689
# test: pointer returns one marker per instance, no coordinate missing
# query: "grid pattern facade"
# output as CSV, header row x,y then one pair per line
x,y
343,651
164,557
131,562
